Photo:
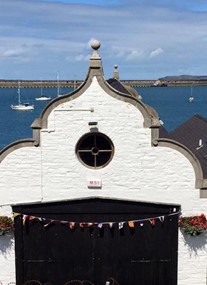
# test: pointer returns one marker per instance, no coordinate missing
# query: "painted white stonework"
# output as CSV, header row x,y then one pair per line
x,y
138,171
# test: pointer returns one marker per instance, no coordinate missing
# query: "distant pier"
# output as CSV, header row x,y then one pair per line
x,y
40,83
147,83
76,83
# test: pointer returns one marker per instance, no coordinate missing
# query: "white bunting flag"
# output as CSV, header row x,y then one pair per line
x,y
121,225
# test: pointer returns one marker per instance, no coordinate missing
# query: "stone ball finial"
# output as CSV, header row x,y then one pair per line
x,y
116,73
95,44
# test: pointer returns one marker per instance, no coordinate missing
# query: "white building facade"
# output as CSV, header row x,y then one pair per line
x,y
56,165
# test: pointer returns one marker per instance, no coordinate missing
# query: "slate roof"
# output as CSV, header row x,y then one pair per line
x,y
163,133
193,134
118,86
126,89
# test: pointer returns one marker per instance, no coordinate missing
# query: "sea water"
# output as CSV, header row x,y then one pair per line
x,y
171,104
15,124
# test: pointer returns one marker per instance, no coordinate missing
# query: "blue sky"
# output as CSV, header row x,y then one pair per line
x,y
147,39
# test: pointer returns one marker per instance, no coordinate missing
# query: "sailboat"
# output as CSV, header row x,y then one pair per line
x,y
21,106
42,97
191,98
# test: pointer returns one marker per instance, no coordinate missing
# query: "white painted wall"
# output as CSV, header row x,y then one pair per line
x,y
138,172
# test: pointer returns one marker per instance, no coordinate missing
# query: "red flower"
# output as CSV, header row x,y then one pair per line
x,y
193,225
6,225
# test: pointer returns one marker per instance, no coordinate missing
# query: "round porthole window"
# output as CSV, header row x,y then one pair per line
x,y
95,150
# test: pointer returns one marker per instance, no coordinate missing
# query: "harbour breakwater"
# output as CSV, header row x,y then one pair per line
x,y
39,83
164,83
77,83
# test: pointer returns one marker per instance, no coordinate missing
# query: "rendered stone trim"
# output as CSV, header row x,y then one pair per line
x,y
16,145
154,135
164,142
203,193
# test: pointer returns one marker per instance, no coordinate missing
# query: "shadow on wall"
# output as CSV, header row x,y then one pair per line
x,y
196,243
6,243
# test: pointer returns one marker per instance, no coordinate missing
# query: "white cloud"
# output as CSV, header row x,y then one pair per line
x,y
12,53
89,2
82,57
51,33
156,52
134,55
20,53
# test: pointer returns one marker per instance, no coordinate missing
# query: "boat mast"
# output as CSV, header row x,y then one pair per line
x,y
41,88
58,86
18,92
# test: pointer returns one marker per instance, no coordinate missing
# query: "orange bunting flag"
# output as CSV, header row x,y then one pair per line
x,y
31,218
131,224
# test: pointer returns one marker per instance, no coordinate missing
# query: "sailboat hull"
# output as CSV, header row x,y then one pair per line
x,y
22,107
43,98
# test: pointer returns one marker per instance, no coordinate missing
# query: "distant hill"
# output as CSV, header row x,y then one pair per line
x,y
183,77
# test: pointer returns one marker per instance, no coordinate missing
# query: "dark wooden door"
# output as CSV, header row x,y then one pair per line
x,y
52,252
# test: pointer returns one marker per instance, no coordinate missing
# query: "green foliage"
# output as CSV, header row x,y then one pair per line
x,y
193,225
6,225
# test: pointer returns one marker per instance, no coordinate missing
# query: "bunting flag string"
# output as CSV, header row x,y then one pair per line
x,y
100,225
